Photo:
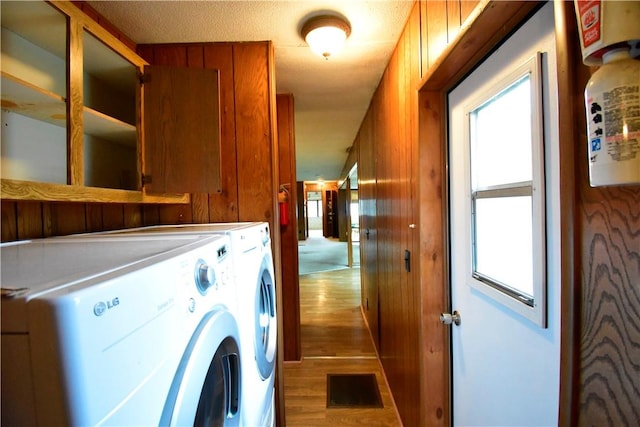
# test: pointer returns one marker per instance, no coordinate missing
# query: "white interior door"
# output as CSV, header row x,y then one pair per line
x,y
506,350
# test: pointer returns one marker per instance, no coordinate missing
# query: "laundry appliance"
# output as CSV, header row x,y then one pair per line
x,y
257,316
120,331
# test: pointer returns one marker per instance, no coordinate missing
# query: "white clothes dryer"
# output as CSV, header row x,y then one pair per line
x,y
257,315
120,331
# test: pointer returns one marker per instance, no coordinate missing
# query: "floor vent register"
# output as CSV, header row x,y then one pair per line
x,y
353,391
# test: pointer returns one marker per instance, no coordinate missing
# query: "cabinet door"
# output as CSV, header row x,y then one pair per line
x,y
181,130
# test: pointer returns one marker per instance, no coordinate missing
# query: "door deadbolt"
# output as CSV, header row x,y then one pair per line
x,y
448,318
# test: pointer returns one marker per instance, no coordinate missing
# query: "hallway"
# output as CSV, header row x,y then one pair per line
x,y
334,339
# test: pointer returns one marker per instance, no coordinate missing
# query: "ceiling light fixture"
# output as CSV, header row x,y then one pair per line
x,y
326,34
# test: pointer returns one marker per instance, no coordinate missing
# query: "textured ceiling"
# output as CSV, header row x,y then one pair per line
x,y
330,96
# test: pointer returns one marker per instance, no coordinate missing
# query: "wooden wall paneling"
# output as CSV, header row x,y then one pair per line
x,y
29,220
199,201
408,88
67,218
150,215
600,229
424,29
607,283
610,301
398,340
381,156
381,168
169,54
457,13
397,237
9,214
253,132
437,37
223,206
147,52
366,208
466,8
47,220
288,233
568,59
113,216
412,78
133,216
454,15
410,293
200,208
175,214
433,260
93,215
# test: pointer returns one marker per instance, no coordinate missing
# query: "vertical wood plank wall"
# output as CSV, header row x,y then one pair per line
x,y
290,309
368,226
389,192
601,236
600,380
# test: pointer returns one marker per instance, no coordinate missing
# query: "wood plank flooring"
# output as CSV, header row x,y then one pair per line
x,y
334,339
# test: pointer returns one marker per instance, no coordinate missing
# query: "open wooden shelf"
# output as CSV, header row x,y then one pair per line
x,y
24,98
12,189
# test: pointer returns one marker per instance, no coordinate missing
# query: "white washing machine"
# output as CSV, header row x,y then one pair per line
x,y
120,331
257,315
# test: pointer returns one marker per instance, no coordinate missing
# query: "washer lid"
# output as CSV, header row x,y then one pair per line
x,y
32,268
221,227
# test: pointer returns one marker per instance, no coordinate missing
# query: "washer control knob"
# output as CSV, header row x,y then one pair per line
x,y
205,277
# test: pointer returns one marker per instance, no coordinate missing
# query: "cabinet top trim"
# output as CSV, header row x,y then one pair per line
x,y
77,15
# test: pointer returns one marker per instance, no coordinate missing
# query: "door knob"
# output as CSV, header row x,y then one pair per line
x,y
448,318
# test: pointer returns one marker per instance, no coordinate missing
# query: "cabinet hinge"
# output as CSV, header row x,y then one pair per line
x,y
144,78
146,179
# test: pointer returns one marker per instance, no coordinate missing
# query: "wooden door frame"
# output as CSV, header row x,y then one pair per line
x,y
489,24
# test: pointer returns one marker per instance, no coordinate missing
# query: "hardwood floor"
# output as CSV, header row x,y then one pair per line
x,y
334,339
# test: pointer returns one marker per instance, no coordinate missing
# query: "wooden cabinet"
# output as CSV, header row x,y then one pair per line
x,y
182,119
74,123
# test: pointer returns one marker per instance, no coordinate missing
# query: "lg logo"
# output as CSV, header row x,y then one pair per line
x,y
100,308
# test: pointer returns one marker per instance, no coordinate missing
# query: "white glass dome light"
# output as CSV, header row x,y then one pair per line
x,y
325,34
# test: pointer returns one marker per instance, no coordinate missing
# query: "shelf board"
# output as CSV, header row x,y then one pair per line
x,y
109,128
39,191
24,98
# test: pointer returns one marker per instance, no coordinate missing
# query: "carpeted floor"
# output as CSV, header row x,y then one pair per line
x,y
322,254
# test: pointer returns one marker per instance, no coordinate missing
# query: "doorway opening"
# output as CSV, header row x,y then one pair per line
x,y
320,247
329,218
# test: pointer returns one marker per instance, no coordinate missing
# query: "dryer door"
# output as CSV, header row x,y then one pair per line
x,y
206,388
266,325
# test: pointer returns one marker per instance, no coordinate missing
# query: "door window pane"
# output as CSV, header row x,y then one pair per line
x,y
504,241
507,192
501,137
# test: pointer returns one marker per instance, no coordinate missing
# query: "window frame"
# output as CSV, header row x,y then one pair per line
x,y
532,307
